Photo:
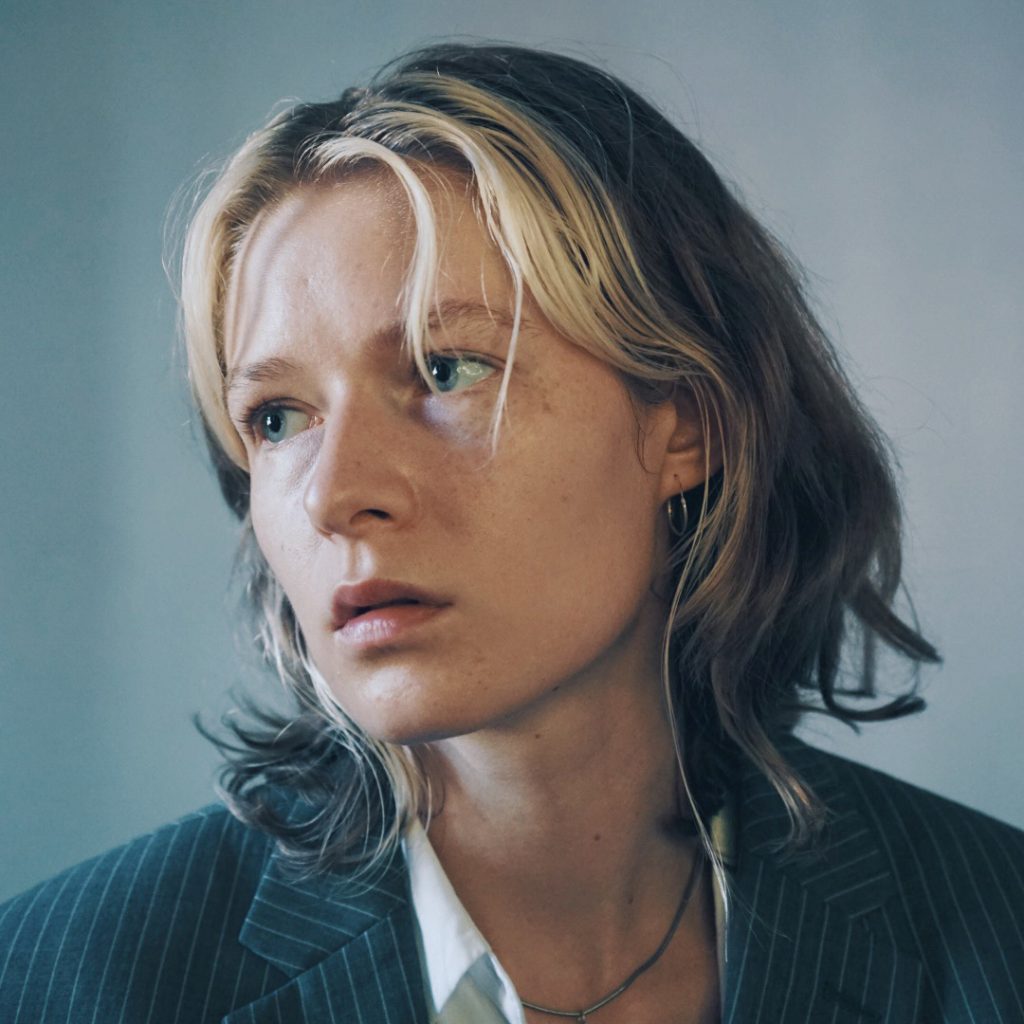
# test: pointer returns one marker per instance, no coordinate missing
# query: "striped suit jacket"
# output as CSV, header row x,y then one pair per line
x,y
911,910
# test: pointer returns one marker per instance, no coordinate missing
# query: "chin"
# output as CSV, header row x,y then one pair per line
x,y
412,730
408,715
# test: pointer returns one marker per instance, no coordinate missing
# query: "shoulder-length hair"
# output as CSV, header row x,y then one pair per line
x,y
634,249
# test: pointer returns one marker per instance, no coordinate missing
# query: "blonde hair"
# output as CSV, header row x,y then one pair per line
x,y
634,249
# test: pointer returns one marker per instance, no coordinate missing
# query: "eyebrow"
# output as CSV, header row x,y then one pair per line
x,y
255,373
452,311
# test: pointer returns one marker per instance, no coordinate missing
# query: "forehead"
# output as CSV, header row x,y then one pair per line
x,y
343,253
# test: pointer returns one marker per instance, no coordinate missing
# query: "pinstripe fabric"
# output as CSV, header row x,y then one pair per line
x,y
143,933
910,910
199,922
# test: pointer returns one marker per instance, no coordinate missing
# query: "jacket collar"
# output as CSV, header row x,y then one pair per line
x,y
349,949
809,936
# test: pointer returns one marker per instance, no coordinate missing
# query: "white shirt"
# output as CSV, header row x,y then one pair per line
x,y
465,983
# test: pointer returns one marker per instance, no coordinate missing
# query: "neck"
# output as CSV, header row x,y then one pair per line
x,y
558,828
563,819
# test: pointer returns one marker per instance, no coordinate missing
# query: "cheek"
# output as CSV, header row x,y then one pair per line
x,y
277,523
580,536
592,491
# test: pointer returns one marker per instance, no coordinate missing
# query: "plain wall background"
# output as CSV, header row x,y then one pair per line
x,y
883,142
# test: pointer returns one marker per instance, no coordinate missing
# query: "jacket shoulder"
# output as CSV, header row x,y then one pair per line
x,y
917,825
146,931
959,873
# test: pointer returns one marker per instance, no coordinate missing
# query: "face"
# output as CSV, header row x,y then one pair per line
x,y
442,587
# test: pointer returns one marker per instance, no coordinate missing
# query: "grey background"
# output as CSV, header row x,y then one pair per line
x,y
883,141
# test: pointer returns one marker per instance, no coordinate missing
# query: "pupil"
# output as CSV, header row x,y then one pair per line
x,y
442,371
272,422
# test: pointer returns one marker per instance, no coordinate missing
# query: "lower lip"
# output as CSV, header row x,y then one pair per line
x,y
385,626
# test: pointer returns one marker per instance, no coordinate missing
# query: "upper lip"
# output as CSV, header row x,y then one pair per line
x,y
354,599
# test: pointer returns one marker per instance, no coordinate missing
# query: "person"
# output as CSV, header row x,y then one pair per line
x,y
557,512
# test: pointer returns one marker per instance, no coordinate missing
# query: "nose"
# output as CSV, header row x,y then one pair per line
x,y
359,480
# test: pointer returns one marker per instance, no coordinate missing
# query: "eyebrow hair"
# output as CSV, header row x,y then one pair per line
x,y
254,373
455,309
451,310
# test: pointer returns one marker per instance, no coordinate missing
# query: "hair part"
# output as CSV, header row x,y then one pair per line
x,y
633,248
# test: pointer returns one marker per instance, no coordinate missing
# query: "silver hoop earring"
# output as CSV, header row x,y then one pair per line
x,y
678,515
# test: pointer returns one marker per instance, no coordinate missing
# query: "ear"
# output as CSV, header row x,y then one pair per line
x,y
689,448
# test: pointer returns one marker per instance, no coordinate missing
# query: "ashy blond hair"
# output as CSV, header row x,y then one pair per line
x,y
634,249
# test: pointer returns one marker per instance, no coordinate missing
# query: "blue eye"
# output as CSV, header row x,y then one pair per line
x,y
453,373
277,423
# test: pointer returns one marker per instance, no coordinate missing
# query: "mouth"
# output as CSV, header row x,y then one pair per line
x,y
362,601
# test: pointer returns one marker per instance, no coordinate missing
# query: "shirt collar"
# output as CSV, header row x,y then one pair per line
x,y
452,944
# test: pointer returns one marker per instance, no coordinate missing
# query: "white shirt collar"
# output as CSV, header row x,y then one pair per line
x,y
452,944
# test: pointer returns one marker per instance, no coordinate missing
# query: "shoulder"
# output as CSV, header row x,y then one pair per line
x,y
907,901
922,832
129,932
957,874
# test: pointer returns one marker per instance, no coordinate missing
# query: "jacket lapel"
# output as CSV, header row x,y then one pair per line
x,y
809,936
349,950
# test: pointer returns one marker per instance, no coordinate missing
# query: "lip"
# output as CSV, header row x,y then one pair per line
x,y
377,612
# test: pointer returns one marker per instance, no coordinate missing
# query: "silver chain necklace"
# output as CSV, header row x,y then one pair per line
x,y
580,1016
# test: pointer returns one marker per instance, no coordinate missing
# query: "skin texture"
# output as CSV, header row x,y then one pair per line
x,y
534,697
